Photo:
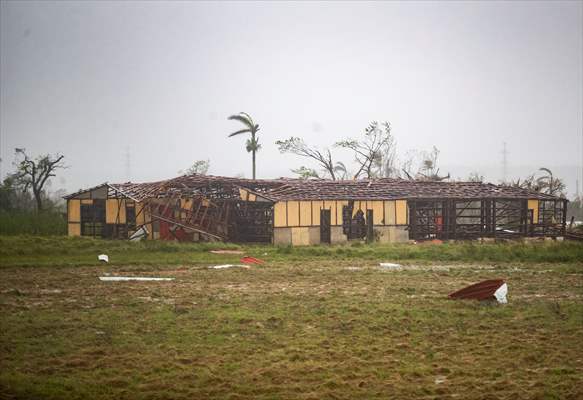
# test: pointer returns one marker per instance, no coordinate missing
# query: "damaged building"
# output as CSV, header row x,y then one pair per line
x,y
305,212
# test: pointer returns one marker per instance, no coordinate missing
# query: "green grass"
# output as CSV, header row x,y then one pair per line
x,y
313,323
32,223
70,251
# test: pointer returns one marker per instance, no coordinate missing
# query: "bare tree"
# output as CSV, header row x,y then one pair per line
x,y
297,146
408,165
368,151
422,166
548,183
528,182
387,164
476,177
429,170
551,185
34,174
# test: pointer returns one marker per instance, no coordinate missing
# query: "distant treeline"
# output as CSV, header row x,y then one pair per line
x,y
17,222
43,223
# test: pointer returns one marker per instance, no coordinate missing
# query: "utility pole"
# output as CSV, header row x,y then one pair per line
x,y
128,164
504,163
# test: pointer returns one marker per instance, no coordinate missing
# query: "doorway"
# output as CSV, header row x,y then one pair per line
x,y
325,227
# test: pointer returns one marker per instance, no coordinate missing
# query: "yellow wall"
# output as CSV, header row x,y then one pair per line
x,y
390,213
339,206
140,215
185,204
293,213
115,211
533,205
74,210
279,214
245,195
378,212
401,211
316,207
305,213
74,229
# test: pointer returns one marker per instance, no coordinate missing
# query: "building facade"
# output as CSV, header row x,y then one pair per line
x,y
306,212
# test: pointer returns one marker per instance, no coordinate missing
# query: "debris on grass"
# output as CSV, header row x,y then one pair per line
x,y
132,278
140,234
225,266
251,260
491,289
390,266
103,257
51,291
501,293
226,251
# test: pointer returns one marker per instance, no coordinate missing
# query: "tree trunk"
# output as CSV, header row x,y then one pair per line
x,y
253,164
37,197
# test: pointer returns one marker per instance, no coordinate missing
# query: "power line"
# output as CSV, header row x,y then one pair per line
x,y
504,163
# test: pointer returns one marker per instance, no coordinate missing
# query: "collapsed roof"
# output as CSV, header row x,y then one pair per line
x,y
316,189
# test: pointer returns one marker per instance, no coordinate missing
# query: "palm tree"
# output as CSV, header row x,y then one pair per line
x,y
252,144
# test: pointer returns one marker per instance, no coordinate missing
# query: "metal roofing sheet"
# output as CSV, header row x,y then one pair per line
x,y
319,189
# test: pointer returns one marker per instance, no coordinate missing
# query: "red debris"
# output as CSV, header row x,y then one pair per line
x,y
479,291
252,260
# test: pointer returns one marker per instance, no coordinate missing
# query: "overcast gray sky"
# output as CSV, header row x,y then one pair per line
x,y
89,79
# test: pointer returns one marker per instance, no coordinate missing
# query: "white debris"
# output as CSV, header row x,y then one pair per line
x,y
103,257
132,278
228,266
390,265
140,234
501,293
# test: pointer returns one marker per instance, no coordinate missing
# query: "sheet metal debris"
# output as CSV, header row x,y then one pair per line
x,y
491,289
140,234
501,293
225,266
252,260
227,251
131,278
390,265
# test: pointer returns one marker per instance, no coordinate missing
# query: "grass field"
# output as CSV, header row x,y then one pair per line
x,y
313,323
